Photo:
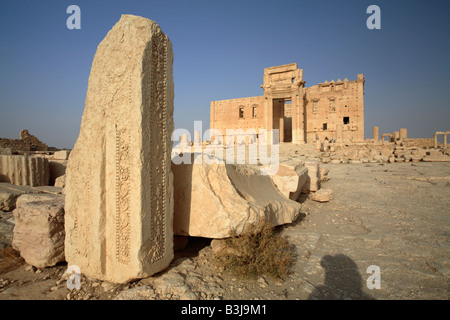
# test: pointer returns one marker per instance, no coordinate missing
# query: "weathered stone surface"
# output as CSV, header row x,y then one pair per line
x,y
312,183
8,200
9,194
119,194
60,182
35,197
24,170
61,155
322,195
290,178
39,231
215,199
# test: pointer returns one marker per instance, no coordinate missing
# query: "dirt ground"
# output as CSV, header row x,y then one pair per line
x,y
392,216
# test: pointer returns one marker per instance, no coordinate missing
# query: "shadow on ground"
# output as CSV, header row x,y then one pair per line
x,y
342,280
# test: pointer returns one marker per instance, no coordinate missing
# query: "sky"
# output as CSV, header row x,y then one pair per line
x,y
220,51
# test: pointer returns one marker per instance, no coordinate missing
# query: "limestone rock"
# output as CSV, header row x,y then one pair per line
x,y
35,197
290,178
119,194
312,183
60,182
212,200
39,231
322,195
8,200
9,194
61,155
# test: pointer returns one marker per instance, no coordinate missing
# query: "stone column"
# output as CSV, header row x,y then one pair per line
x,y
396,135
435,140
197,140
119,183
376,135
23,170
294,124
301,119
403,133
445,139
281,121
184,140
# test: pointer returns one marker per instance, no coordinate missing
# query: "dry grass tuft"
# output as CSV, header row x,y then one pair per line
x,y
256,252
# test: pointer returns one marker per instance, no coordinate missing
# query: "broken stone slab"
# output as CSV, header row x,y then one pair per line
x,y
119,192
35,197
9,193
290,178
39,230
322,195
215,200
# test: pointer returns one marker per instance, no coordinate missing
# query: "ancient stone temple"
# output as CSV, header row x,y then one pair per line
x,y
119,193
326,111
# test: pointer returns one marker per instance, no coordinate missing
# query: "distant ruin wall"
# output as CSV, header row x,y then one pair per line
x,y
27,142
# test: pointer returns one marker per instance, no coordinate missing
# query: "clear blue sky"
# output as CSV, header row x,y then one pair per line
x,y
221,49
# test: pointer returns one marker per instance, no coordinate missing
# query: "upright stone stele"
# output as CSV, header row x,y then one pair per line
x,y
119,184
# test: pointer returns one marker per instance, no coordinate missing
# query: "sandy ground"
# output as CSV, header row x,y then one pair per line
x,y
392,216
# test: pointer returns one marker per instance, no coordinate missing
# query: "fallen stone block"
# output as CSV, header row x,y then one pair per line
x,y
39,231
290,178
215,200
322,195
9,193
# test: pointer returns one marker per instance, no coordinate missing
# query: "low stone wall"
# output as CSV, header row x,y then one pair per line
x,y
387,152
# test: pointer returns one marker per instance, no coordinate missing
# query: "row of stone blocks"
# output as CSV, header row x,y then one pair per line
x,y
24,170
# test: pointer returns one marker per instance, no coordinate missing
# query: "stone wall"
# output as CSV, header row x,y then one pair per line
x,y
332,103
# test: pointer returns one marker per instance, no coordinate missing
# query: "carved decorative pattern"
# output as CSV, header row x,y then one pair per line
x,y
122,195
158,137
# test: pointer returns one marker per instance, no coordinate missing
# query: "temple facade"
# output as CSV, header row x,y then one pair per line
x,y
326,111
